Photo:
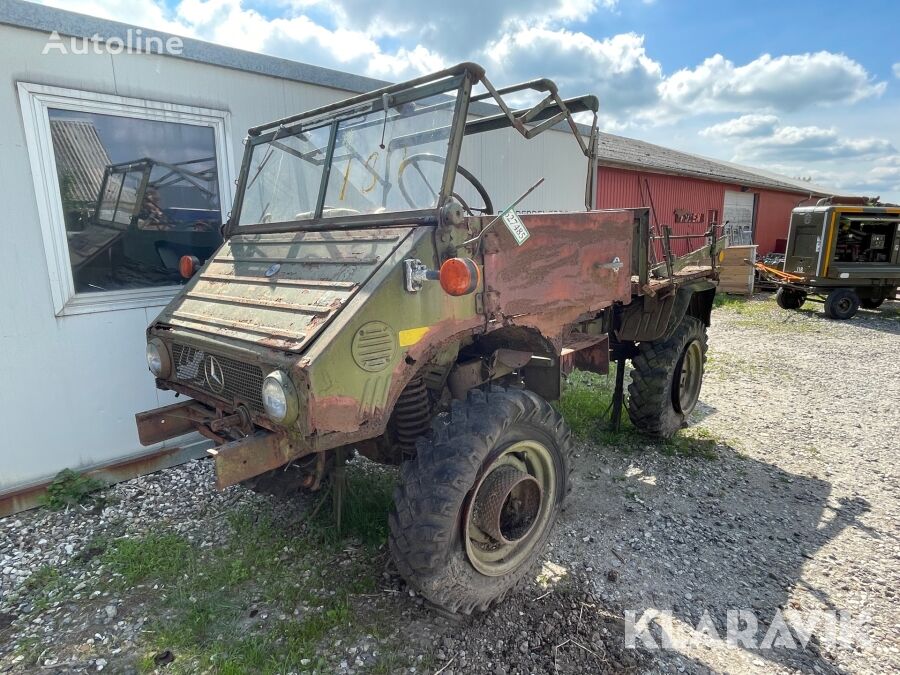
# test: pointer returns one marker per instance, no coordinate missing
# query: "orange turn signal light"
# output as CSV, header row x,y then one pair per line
x,y
460,276
188,265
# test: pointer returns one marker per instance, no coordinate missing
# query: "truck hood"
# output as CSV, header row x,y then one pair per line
x,y
279,290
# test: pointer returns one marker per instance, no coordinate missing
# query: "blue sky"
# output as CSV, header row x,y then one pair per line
x,y
806,89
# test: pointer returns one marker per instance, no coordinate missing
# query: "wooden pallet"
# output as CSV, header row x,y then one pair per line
x,y
735,275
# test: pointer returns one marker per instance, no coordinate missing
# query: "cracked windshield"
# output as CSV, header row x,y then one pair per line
x,y
381,162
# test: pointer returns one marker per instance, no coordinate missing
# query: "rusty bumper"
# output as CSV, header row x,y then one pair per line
x,y
236,460
248,457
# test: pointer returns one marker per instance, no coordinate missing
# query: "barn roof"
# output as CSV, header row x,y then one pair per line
x,y
634,154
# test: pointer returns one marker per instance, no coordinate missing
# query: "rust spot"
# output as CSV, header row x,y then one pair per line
x,y
334,413
564,270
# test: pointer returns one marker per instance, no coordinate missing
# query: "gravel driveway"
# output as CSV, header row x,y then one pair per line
x,y
791,508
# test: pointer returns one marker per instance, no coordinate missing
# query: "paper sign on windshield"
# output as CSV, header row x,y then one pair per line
x,y
516,227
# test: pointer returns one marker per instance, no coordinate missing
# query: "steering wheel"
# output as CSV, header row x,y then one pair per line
x,y
415,160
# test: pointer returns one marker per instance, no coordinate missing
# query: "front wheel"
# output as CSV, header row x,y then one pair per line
x,y
476,505
789,299
666,379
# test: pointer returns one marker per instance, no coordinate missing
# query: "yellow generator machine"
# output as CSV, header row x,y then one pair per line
x,y
843,252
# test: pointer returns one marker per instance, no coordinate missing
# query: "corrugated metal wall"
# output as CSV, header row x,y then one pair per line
x,y
773,213
664,194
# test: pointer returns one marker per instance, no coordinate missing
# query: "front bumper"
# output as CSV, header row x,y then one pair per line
x,y
236,460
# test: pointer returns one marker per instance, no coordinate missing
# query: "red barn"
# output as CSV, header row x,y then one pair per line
x,y
687,192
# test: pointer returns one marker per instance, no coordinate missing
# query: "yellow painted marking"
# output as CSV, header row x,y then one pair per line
x,y
344,184
373,159
826,254
411,336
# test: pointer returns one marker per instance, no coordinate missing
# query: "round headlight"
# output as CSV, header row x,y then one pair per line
x,y
158,358
279,397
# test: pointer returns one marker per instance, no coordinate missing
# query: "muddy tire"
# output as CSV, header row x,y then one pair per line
x,y
788,299
666,378
475,507
841,304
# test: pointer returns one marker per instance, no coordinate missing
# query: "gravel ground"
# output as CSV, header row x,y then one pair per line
x,y
793,508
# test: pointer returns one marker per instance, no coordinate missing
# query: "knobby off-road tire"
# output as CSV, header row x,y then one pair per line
x,y
655,405
788,299
435,536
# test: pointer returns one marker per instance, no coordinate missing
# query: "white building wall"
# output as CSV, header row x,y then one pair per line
x,y
71,384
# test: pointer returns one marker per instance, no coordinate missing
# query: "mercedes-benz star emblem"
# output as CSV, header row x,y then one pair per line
x,y
215,376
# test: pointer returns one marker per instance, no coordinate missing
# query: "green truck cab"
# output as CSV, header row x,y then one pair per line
x,y
370,297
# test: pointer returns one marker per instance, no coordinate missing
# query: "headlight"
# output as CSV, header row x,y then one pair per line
x,y
158,358
279,397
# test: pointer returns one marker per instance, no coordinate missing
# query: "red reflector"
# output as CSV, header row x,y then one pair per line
x,y
188,265
460,276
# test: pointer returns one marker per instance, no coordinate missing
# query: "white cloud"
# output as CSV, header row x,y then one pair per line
x,y
455,29
810,143
782,83
524,39
617,69
745,126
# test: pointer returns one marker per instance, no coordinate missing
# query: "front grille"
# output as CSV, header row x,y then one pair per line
x,y
221,376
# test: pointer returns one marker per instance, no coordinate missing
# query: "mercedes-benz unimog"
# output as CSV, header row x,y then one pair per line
x,y
370,296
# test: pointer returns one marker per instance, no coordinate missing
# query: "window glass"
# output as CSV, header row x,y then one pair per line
x,y
392,162
285,177
137,195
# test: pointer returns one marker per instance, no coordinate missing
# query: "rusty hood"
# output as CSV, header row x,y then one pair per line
x,y
279,290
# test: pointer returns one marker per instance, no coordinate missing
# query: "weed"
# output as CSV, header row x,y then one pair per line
x,y
160,557
586,402
71,488
30,649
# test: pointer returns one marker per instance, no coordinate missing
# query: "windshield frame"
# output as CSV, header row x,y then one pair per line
x,y
459,79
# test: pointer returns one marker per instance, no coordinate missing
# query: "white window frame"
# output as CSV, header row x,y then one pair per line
x,y
36,100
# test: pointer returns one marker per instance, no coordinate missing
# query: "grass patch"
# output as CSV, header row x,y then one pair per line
x,y
160,557
586,402
764,313
265,599
45,586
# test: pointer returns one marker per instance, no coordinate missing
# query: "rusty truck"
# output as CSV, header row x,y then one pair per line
x,y
370,297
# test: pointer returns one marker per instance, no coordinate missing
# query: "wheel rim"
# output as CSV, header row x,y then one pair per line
x,y
688,377
510,507
844,305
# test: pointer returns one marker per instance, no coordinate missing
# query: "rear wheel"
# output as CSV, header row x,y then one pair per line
x,y
841,304
871,303
475,506
666,379
789,299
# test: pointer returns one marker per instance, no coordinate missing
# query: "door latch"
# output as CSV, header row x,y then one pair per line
x,y
615,265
